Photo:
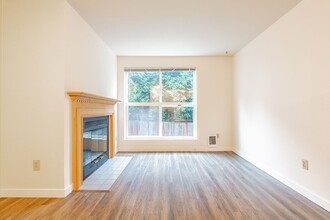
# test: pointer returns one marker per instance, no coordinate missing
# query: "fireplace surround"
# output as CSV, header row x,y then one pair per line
x,y
87,108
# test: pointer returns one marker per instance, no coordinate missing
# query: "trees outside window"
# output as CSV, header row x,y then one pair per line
x,y
160,103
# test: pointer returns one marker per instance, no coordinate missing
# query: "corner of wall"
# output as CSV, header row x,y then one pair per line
x,y
280,93
285,180
1,66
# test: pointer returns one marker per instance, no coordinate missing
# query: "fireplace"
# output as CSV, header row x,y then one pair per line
x,y
92,134
95,143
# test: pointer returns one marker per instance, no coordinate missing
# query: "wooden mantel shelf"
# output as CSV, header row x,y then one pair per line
x,y
91,98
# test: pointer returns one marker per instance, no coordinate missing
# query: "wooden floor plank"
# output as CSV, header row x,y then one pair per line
x,y
177,186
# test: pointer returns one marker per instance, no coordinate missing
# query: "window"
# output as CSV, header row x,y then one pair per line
x,y
160,103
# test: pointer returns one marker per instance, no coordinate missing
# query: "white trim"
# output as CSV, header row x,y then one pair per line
x,y
155,69
125,104
174,149
148,138
285,180
1,64
37,193
195,103
68,190
160,106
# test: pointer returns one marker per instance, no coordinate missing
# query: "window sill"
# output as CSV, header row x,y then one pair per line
x,y
160,138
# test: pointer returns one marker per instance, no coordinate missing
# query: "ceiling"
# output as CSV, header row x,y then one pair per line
x,y
180,27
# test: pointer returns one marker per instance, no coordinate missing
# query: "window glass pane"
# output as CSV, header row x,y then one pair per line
x,y
178,121
178,86
143,86
143,121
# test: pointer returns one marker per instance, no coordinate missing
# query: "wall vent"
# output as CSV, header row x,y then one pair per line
x,y
212,141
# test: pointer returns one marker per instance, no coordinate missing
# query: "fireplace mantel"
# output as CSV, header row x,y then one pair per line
x,y
83,97
88,105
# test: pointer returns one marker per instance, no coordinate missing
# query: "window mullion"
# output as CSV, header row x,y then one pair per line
x,y
176,124
180,104
142,103
160,109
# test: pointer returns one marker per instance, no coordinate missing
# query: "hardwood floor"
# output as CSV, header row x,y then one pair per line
x,y
177,186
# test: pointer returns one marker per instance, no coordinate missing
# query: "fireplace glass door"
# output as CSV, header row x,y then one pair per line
x,y
95,143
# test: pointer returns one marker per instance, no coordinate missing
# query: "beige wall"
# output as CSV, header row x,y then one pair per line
x,y
32,98
282,99
47,50
1,65
214,102
90,67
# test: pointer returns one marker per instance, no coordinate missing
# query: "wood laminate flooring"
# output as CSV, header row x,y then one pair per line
x,y
177,186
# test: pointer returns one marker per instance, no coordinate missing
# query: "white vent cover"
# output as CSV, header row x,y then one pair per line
x,y
212,141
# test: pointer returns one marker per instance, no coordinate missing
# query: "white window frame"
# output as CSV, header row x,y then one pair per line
x,y
160,104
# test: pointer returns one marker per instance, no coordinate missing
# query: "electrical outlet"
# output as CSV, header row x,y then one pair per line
x,y
305,164
36,165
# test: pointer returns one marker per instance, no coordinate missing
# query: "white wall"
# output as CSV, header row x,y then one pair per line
x,y
32,98
214,102
48,49
90,67
282,99
1,65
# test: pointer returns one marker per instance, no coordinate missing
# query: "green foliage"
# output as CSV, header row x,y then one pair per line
x,y
177,86
140,85
178,80
171,114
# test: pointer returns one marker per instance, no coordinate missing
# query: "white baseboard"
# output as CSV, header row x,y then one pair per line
x,y
293,185
170,149
37,193
68,190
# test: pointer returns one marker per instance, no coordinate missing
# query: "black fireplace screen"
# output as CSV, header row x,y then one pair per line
x,y
95,143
